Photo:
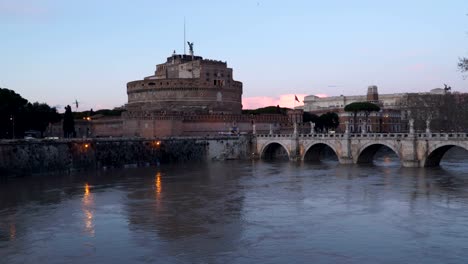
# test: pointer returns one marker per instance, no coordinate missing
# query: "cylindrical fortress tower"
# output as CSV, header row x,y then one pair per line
x,y
188,84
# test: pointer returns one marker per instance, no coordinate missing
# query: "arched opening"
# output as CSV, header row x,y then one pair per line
x,y
380,155
320,152
447,156
275,151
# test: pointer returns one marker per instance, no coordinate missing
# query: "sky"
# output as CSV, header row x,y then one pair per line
x,y
59,51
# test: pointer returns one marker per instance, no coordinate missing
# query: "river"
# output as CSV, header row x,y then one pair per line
x,y
241,212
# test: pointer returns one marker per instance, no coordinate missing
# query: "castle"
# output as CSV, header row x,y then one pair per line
x,y
187,96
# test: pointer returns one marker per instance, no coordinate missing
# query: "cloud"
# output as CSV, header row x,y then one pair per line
x,y
284,100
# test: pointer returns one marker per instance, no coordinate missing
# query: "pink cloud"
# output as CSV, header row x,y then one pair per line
x,y
284,100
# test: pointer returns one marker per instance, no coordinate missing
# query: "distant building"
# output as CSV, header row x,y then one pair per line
x,y
444,108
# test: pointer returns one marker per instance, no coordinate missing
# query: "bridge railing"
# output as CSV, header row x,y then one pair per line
x,y
452,135
443,135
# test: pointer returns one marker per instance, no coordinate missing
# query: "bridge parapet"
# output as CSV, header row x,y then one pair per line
x,y
443,135
413,149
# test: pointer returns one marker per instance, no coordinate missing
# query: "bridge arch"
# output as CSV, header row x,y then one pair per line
x,y
438,152
274,150
367,152
312,153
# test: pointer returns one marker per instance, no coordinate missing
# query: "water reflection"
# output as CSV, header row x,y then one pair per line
x,y
241,212
88,210
12,231
158,185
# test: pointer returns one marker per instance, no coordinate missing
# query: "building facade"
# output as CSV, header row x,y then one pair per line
x,y
388,119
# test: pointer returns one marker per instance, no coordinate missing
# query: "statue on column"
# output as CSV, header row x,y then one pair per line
x,y
411,126
312,127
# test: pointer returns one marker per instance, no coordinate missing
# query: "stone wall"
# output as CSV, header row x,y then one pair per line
x,y
21,157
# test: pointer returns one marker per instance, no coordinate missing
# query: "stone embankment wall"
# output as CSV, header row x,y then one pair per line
x,y
25,157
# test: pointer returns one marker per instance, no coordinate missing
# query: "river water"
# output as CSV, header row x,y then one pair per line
x,y
241,212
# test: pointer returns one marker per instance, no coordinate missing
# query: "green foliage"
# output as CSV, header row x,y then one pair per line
x,y
104,112
68,123
365,107
362,107
327,121
18,115
266,110
39,115
309,117
330,120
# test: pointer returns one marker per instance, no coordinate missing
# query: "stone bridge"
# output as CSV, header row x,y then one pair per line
x,y
413,149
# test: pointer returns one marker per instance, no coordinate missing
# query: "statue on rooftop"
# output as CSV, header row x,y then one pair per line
x,y
190,44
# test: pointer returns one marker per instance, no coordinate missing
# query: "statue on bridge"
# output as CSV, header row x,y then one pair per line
x,y
411,126
346,127
312,127
428,124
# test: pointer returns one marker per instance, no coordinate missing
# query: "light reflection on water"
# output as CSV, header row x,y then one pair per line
x,y
88,204
241,212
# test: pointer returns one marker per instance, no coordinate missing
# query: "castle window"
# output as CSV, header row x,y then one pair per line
x,y
151,83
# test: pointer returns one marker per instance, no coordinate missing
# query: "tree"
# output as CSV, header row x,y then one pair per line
x,y
18,115
37,116
365,107
68,123
266,110
463,64
11,105
329,120
309,117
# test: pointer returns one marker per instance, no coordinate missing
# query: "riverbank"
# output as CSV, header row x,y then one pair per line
x,y
41,156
